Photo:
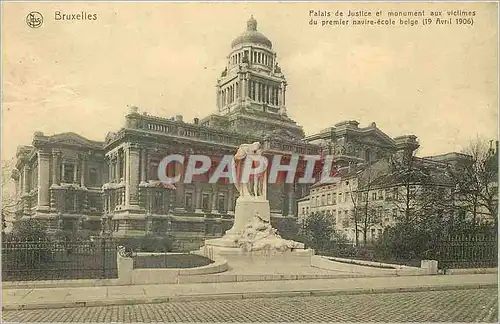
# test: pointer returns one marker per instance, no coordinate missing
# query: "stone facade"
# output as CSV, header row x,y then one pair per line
x,y
112,186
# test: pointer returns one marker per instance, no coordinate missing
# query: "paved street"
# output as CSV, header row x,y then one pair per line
x,y
432,306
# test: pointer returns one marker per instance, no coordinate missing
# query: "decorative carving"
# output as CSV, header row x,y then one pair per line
x,y
259,235
277,68
124,252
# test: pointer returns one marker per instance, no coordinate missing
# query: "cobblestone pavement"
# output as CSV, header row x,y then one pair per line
x,y
431,306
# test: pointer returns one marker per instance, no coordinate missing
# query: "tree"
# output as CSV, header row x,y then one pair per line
x,y
9,201
415,190
318,230
476,180
362,212
29,230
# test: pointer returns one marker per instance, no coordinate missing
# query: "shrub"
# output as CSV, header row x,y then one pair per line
x,y
148,244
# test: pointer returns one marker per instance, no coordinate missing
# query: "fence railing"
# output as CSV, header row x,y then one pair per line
x,y
467,251
57,260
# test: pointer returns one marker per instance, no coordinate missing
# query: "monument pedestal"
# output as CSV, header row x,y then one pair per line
x,y
252,230
245,211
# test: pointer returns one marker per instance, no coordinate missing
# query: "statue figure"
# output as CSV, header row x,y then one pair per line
x,y
224,73
255,186
277,68
245,58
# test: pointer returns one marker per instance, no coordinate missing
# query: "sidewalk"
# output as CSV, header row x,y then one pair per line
x,y
14,299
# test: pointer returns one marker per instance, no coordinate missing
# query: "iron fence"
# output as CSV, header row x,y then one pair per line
x,y
57,260
467,251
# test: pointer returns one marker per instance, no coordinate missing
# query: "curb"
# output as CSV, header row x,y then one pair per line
x,y
233,296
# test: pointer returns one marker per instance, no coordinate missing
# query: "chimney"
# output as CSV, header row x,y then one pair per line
x,y
196,121
178,118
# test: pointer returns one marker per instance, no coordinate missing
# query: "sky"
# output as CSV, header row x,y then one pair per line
x,y
437,82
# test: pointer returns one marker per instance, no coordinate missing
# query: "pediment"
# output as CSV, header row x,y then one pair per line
x,y
73,139
283,134
376,136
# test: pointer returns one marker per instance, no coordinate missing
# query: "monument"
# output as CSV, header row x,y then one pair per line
x,y
252,230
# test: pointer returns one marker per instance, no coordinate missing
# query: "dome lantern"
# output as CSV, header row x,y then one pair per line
x,y
252,36
252,24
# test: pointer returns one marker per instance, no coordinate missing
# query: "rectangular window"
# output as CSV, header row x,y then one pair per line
x,y
93,176
322,200
188,201
70,201
346,197
374,196
380,195
328,199
153,171
221,203
205,201
158,204
68,175
92,202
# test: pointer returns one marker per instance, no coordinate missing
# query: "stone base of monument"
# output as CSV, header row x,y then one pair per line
x,y
252,238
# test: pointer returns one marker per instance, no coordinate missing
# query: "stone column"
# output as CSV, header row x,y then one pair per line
x,y
198,196
144,154
226,202
43,179
105,202
133,174
15,176
118,166
62,172
218,97
214,198
75,171
179,193
109,161
284,94
130,170
257,91
291,199
83,174
243,89
56,167
26,188
230,198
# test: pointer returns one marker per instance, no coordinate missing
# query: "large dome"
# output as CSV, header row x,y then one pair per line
x,y
251,35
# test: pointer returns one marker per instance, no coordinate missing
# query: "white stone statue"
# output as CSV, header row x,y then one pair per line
x,y
255,186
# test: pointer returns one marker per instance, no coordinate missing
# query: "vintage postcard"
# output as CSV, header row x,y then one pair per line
x,y
249,162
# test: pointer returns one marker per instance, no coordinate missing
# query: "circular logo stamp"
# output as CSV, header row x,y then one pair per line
x,y
34,19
